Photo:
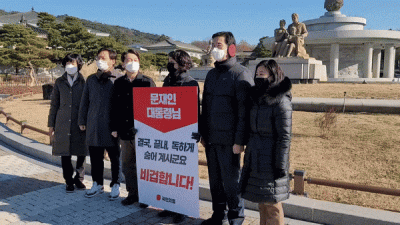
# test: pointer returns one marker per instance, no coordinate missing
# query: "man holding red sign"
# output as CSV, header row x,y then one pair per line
x,y
122,123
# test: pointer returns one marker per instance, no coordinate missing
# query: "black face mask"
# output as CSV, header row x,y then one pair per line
x,y
171,68
261,82
261,86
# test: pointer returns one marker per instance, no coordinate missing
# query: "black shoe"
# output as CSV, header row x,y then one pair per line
x,y
69,188
130,200
215,221
143,206
178,218
165,213
79,185
236,221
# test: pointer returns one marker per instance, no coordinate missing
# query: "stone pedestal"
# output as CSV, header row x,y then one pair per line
x,y
200,73
297,69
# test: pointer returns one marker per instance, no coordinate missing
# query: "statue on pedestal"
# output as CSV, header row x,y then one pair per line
x,y
297,33
290,42
333,5
207,59
279,47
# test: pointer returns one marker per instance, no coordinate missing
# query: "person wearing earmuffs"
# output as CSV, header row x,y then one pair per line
x,y
225,107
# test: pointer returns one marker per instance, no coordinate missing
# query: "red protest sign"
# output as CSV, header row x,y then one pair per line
x,y
165,109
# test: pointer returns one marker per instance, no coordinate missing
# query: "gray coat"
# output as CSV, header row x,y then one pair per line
x,y
63,116
266,166
95,110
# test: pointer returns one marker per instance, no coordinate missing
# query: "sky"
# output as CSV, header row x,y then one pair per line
x,y
189,21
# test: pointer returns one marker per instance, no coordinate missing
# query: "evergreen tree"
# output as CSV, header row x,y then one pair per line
x,y
23,49
70,36
261,52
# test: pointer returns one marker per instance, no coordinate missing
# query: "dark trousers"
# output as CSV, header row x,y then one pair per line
x,y
223,172
128,156
68,169
97,162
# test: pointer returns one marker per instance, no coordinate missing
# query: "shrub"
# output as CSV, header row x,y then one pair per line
x,y
327,121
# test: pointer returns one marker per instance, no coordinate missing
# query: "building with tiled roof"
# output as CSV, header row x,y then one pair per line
x,y
30,19
171,45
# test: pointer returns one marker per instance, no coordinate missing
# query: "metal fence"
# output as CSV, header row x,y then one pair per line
x,y
23,80
298,177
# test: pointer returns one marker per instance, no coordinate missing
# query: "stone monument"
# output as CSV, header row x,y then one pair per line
x,y
290,42
200,73
350,53
207,59
297,33
333,5
279,47
289,52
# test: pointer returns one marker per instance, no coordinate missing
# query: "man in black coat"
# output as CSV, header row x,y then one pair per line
x,y
223,128
95,118
122,121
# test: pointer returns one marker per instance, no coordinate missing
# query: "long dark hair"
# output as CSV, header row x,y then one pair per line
x,y
274,70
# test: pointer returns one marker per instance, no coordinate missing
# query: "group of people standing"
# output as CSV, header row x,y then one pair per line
x,y
238,110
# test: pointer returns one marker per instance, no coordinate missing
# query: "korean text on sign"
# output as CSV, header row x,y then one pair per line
x,y
166,178
161,112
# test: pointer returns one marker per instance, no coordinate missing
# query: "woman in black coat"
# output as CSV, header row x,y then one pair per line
x,y
67,138
265,172
179,63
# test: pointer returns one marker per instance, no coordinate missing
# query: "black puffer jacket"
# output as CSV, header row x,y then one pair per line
x,y
266,168
226,103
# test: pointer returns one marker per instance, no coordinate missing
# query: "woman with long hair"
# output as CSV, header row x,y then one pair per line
x,y
265,175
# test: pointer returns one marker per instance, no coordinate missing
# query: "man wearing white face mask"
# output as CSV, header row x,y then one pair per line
x,y
95,118
223,128
122,122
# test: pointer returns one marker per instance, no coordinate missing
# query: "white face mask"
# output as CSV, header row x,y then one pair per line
x,y
218,54
132,67
102,65
71,69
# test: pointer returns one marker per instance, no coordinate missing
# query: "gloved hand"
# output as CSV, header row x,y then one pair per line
x,y
134,131
196,136
279,173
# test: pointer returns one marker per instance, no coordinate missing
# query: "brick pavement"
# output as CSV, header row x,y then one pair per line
x,y
31,193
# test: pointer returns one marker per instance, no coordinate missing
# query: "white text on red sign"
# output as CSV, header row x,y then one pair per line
x,y
163,113
162,99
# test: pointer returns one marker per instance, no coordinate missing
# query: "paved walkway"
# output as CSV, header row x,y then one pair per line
x,y
33,192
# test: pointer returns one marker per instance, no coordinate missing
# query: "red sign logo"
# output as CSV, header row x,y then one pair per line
x,y
158,197
165,109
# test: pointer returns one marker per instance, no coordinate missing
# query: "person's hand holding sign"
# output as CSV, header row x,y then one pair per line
x,y
237,149
196,136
